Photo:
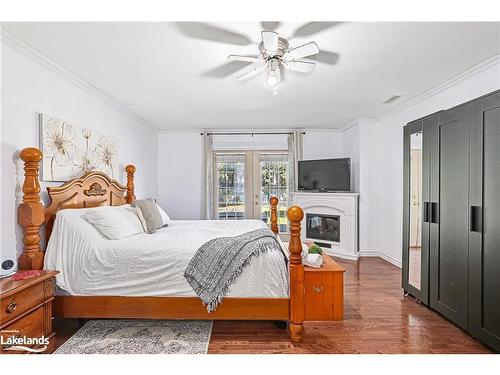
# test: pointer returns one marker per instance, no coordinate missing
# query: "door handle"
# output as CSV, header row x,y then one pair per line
x,y
476,219
426,212
434,213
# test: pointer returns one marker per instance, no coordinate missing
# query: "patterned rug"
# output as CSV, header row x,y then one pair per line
x,y
140,337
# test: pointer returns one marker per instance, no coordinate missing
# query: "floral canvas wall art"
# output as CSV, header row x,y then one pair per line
x,y
70,151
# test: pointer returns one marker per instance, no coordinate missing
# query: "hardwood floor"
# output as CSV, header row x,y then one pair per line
x,y
378,319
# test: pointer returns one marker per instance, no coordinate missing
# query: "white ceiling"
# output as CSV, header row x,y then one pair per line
x,y
162,74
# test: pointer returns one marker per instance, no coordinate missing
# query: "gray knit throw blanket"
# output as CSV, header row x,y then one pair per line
x,y
218,263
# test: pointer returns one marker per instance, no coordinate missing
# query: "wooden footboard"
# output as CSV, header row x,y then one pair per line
x,y
97,189
169,308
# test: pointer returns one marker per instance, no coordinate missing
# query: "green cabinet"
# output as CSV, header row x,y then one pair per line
x,y
460,231
448,274
484,233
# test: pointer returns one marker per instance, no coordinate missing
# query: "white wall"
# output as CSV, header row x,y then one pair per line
x,y
382,160
28,87
369,182
322,144
180,159
350,148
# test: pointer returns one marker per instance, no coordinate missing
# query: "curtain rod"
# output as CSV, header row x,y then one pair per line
x,y
252,133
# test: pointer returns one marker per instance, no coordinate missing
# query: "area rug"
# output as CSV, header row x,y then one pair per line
x,y
140,337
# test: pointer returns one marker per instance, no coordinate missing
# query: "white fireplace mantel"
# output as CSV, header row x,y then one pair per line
x,y
344,205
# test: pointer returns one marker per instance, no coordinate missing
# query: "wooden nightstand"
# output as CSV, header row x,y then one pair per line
x,y
324,291
26,309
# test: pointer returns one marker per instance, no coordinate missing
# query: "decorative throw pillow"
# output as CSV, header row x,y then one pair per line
x,y
114,222
149,214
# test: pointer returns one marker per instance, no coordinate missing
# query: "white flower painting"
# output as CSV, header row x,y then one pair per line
x,y
70,151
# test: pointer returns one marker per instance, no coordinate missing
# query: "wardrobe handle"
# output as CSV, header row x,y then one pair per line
x,y
434,213
476,219
426,212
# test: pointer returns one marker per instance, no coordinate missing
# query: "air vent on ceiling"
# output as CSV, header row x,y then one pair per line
x,y
392,98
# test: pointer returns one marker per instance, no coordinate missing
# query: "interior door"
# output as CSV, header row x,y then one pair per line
x,y
484,236
449,215
416,202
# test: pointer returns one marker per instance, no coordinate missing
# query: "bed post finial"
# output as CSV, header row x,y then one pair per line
x,y
274,214
31,212
130,169
295,216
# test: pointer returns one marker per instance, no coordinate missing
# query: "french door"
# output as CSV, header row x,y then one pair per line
x,y
244,181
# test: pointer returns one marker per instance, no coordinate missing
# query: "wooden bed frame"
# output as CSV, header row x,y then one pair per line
x,y
97,189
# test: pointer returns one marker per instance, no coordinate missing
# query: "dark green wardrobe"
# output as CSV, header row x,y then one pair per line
x,y
451,232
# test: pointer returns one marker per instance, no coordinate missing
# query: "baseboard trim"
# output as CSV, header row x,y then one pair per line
x,y
341,255
387,258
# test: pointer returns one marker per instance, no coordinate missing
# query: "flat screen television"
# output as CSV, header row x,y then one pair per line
x,y
325,175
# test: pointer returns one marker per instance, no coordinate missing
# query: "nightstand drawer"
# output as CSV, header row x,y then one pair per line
x,y
26,306
20,302
29,326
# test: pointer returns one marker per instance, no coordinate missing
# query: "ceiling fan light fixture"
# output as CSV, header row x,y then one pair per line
x,y
274,74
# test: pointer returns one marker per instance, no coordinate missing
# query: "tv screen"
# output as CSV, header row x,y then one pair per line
x,y
325,175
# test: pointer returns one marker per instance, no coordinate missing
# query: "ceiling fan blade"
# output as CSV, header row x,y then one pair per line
x,y
200,30
326,57
226,69
254,71
270,41
270,25
304,50
242,58
301,66
311,28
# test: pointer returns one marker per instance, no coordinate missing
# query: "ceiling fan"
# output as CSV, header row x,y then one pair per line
x,y
275,55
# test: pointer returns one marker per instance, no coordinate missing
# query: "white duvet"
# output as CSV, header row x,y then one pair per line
x,y
151,264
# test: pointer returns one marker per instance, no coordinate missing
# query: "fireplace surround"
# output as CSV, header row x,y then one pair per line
x,y
333,221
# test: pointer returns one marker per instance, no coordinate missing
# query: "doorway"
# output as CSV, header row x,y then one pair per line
x,y
244,182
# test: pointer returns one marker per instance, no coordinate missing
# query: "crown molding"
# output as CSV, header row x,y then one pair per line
x,y
39,58
476,69
355,122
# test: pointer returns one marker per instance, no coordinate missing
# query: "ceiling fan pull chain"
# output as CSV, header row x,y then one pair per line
x,y
275,90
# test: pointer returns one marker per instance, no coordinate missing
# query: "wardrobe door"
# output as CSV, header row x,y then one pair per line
x,y
484,236
416,204
449,215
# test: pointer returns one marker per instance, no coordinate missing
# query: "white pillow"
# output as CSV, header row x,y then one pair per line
x,y
164,215
115,222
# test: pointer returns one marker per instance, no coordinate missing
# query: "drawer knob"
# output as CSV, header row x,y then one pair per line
x,y
318,289
11,307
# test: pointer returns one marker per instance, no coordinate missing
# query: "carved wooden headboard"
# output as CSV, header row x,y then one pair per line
x,y
91,190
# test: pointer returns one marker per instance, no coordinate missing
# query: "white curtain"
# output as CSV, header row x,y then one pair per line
x,y
295,140
208,201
